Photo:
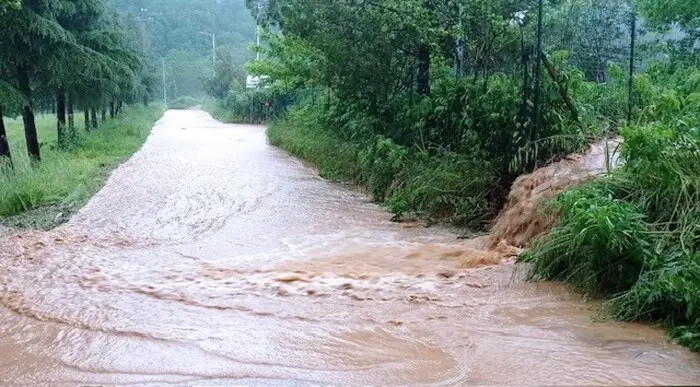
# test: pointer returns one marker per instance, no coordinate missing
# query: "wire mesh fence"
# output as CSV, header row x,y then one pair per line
x,y
606,42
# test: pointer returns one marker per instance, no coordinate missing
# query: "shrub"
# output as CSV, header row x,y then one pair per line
x,y
450,187
599,246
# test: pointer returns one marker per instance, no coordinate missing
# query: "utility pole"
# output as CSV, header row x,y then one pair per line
x,y
165,87
144,18
213,49
257,31
257,57
213,52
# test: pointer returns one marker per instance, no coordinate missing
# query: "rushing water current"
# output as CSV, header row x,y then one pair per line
x,y
212,258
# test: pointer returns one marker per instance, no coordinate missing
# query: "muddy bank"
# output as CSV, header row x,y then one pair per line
x,y
212,258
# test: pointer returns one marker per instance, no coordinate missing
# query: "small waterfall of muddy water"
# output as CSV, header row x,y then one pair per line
x,y
212,258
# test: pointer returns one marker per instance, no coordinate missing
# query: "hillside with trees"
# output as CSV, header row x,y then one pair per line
x,y
185,40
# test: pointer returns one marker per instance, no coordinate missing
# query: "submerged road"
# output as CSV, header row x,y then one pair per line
x,y
212,258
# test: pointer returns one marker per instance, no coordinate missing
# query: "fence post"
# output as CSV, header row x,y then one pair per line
x,y
633,38
538,72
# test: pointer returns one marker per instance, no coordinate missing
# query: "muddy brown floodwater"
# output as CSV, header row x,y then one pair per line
x,y
212,258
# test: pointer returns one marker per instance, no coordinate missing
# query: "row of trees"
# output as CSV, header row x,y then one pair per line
x,y
70,55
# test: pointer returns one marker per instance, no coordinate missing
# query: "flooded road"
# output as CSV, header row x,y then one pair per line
x,y
212,258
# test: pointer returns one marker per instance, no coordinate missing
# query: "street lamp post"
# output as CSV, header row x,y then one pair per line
x,y
165,87
213,49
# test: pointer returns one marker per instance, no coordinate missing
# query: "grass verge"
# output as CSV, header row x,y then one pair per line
x,y
45,195
217,110
437,186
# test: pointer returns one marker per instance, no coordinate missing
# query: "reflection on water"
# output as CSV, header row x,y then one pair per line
x,y
211,258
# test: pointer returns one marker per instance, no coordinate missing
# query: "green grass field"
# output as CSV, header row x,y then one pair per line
x,y
45,195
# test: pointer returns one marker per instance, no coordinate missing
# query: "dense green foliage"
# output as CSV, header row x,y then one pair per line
x,y
253,106
633,235
436,98
45,195
5,4
666,13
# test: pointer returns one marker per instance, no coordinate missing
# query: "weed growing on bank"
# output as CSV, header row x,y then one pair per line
x,y
43,195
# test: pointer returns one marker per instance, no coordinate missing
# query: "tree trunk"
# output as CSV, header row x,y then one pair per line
x,y
61,116
28,114
562,90
104,114
423,69
87,119
71,121
93,118
4,146
112,110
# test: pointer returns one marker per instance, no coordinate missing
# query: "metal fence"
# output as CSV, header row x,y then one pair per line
x,y
605,39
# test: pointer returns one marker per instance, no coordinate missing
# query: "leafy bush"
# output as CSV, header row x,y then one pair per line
x,y
382,164
251,106
449,187
599,246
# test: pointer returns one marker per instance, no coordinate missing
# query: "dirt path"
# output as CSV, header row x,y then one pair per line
x,y
212,258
